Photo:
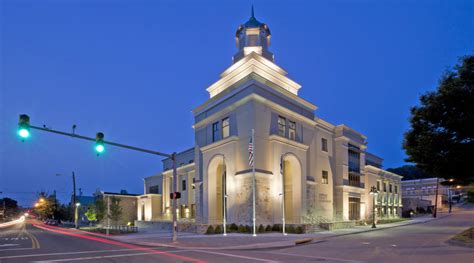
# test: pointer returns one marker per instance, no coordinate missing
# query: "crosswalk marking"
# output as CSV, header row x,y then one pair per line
x,y
15,238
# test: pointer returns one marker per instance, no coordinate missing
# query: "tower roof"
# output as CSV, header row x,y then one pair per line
x,y
253,23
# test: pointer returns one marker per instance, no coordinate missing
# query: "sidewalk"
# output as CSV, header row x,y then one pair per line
x,y
247,241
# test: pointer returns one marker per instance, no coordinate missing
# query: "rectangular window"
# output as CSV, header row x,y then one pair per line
x,y
155,189
281,126
378,185
215,131
325,179
225,128
354,159
183,185
390,188
385,187
292,130
324,144
396,189
194,183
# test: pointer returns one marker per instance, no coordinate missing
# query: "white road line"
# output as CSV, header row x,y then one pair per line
x,y
235,256
8,249
98,257
66,253
8,245
109,256
313,257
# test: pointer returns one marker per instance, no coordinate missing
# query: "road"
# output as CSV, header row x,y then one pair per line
x,y
26,242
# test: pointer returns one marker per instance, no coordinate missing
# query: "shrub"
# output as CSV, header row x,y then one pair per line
x,y
290,229
276,228
234,227
210,230
241,229
268,228
299,230
218,230
261,229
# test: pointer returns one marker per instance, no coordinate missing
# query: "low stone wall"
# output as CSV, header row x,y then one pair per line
x,y
330,226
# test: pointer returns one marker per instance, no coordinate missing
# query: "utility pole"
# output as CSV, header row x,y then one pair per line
x,y
76,216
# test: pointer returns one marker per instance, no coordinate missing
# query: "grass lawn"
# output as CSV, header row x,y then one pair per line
x,y
466,236
392,220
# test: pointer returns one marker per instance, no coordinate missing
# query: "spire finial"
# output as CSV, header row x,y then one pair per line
x,y
252,13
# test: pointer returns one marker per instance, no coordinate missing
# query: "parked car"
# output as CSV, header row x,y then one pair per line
x,y
51,222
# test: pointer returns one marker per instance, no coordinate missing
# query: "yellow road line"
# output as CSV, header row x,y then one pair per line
x,y
34,241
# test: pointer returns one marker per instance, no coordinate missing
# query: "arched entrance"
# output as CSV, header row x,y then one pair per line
x,y
217,180
290,181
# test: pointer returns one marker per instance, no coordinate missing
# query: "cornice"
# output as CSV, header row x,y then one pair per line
x,y
211,146
260,99
259,65
283,140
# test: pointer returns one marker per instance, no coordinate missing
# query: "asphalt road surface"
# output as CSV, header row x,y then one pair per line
x,y
425,242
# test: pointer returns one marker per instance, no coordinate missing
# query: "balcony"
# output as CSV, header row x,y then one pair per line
x,y
354,180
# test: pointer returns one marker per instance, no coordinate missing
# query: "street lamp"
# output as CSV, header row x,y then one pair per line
x,y
76,215
373,192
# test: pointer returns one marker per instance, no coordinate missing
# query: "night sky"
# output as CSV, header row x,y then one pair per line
x,y
135,69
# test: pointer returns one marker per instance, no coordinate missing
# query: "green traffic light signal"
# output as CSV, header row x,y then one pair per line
x,y
99,143
24,133
24,126
99,148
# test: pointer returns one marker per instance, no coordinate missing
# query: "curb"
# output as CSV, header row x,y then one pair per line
x,y
268,245
457,243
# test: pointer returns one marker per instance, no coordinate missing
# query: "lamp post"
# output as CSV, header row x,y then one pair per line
x,y
76,215
373,192
449,194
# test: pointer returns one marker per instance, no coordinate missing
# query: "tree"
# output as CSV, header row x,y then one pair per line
x,y
91,214
441,138
115,209
100,209
11,206
409,172
48,207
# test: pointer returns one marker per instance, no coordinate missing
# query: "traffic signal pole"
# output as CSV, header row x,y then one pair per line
x,y
175,200
171,156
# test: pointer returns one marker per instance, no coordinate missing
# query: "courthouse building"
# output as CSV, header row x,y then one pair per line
x,y
319,171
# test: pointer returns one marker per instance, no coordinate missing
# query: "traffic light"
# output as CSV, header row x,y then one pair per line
x,y
99,143
175,195
24,126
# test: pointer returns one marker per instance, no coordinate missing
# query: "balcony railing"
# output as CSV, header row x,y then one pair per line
x,y
354,180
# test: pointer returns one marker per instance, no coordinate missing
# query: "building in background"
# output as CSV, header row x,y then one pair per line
x,y
318,171
421,193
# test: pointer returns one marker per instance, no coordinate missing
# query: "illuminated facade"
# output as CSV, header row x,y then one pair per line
x,y
320,172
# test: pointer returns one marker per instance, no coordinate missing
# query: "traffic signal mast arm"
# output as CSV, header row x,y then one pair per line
x,y
74,135
24,126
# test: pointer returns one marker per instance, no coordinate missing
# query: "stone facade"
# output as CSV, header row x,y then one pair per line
x,y
314,171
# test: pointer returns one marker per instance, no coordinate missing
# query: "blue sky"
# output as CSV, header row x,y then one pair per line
x,y
135,70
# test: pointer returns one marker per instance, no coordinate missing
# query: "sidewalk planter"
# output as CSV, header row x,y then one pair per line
x,y
330,226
